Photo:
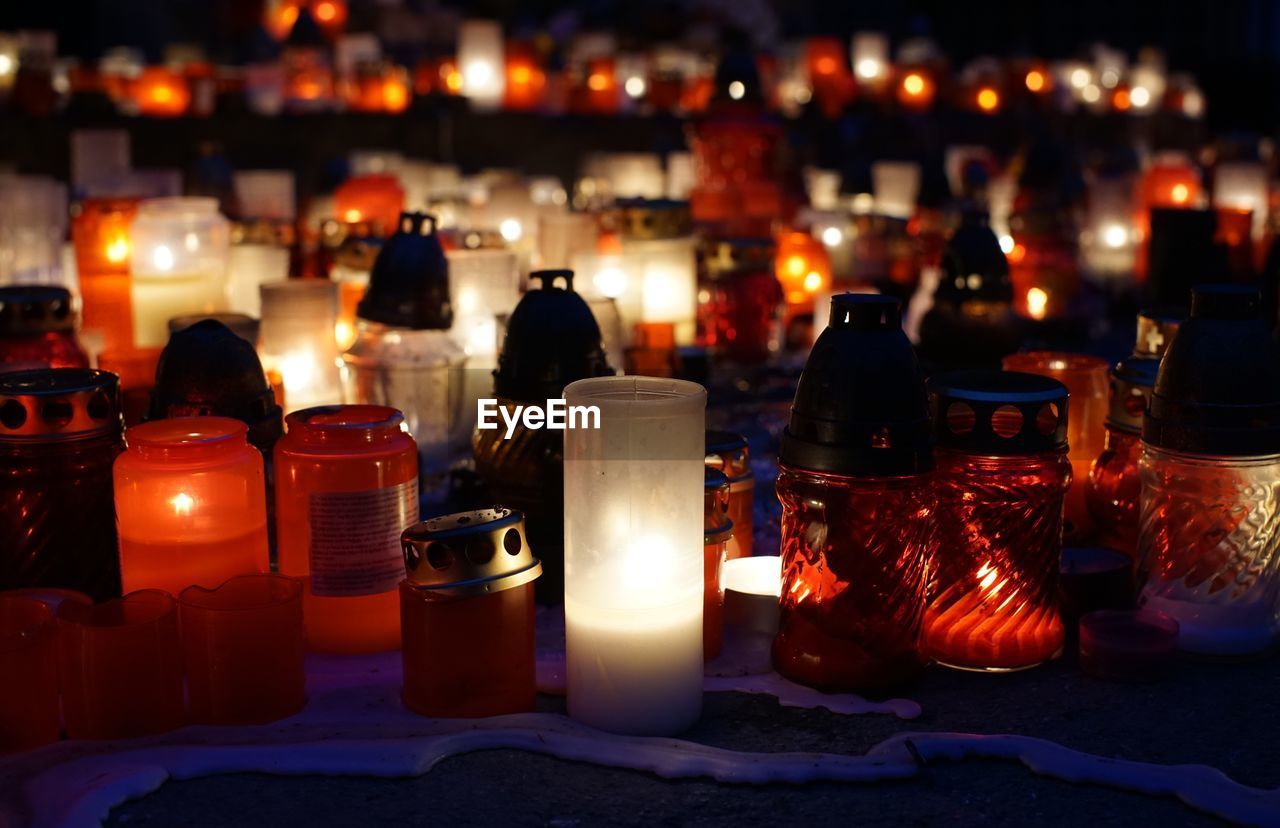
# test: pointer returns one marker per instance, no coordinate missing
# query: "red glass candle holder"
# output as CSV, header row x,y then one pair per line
x,y
857,506
121,666
244,650
730,454
28,660
346,487
374,198
740,319
38,329
1114,488
717,531
160,92
60,433
190,504
1086,380
467,612
1002,477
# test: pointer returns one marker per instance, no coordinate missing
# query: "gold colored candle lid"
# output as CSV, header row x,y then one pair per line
x,y
469,553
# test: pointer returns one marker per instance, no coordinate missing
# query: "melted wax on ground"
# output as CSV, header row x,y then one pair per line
x,y
355,725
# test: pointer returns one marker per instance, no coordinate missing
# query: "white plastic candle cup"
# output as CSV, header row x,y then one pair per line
x,y
752,587
633,554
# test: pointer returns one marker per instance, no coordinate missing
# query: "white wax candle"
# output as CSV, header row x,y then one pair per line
x,y
157,300
635,671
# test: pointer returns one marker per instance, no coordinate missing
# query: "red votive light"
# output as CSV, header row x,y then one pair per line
x,y
467,615
1128,645
1094,578
121,666
1002,478
29,691
244,650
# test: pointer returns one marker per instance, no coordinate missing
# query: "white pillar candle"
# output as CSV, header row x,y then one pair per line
x,y
1242,185
250,267
633,555
299,318
178,263
896,185
482,63
870,56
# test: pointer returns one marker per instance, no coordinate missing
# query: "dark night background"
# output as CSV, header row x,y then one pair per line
x,y
1233,46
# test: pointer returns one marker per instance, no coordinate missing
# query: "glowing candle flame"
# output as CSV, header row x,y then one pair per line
x,y
162,258
182,503
1037,302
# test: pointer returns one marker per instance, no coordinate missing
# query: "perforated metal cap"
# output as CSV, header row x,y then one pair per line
x,y
998,412
59,402
469,553
35,309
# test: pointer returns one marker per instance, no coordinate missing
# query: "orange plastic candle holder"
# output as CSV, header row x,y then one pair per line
x,y
374,198
100,236
467,612
244,650
190,504
121,666
28,661
346,487
717,529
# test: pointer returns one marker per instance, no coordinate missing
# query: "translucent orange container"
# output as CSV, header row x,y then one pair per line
x,y
121,666
190,504
346,487
374,198
243,649
100,235
468,615
29,691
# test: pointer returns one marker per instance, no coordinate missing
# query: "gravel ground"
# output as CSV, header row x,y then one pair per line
x,y
1220,715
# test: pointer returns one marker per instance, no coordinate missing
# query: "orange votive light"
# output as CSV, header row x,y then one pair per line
x,y
121,666
190,504
717,529
730,454
100,235
28,660
802,267
1086,380
346,487
244,650
136,368
526,80
374,198
916,90
161,92
467,612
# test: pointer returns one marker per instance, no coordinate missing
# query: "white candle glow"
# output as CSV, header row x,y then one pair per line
x,y
633,555
179,264
482,62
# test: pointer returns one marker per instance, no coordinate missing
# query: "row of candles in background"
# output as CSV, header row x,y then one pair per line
x,y
318,67
921,522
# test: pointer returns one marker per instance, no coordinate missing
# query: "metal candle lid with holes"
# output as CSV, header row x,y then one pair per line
x,y
26,310
59,403
469,553
716,525
998,412
860,408
409,284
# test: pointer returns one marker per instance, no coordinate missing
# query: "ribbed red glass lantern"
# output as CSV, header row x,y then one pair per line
x,y
1002,479
857,506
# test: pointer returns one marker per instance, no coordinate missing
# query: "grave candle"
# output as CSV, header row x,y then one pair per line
x,y
190,504
634,569
100,235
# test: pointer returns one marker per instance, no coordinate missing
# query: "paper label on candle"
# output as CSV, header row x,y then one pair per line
x,y
355,539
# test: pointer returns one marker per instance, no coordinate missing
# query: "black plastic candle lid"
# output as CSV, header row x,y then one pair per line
x,y
860,407
552,340
206,370
35,309
409,284
998,412
1218,388
973,265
